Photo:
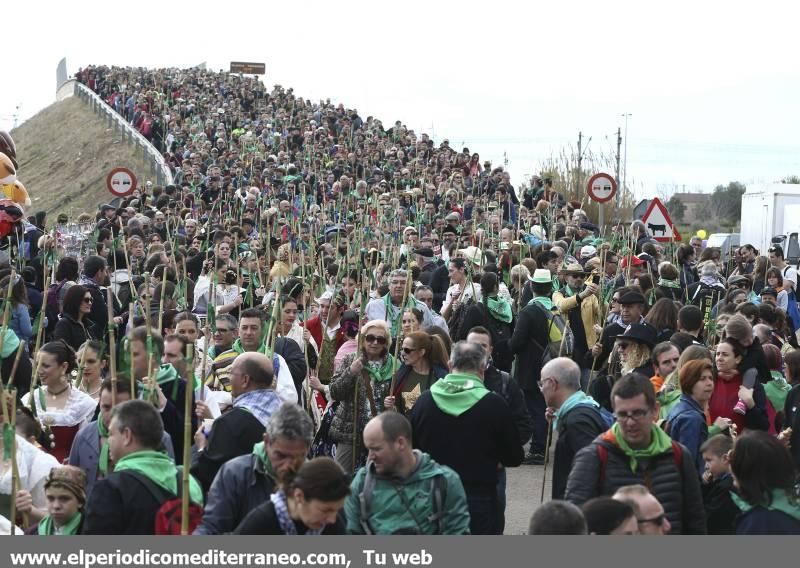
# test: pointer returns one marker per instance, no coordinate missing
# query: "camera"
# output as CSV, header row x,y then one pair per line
x,y
230,277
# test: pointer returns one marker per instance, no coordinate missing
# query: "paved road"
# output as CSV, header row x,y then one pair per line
x,y
524,488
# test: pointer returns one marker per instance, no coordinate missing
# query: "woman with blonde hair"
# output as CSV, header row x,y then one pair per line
x,y
361,385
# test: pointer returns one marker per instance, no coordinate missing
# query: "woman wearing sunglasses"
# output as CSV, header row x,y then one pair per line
x,y
361,384
72,327
424,362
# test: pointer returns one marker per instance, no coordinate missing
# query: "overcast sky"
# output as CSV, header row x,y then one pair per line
x,y
713,89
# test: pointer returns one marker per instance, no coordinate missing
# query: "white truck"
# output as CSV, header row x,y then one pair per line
x,y
768,211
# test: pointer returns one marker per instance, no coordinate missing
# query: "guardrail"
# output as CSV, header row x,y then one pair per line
x,y
158,167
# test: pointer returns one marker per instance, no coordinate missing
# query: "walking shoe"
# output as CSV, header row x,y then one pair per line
x,y
740,408
532,458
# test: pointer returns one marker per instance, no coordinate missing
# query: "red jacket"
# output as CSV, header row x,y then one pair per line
x,y
314,326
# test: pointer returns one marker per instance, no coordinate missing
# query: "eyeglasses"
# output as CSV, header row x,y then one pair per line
x,y
615,300
379,339
88,300
637,415
658,521
224,330
543,381
408,350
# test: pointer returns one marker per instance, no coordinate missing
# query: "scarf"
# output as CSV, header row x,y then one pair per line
x,y
382,373
777,389
781,501
286,523
660,443
710,281
260,451
10,343
669,283
499,308
568,292
47,527
545,302
394,318
578,398
166,374
456,393
102,431
261,403
161,470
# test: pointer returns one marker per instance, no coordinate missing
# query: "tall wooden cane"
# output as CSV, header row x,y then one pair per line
x,y
187,440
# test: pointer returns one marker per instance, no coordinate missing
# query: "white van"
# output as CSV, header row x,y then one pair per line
x,y
727,243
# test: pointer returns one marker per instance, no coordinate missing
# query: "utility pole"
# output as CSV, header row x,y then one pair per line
x,y
578,173
616,176
625,157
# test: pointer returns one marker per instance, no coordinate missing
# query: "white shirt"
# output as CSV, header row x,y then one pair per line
x,y
789,273
284,386
471,290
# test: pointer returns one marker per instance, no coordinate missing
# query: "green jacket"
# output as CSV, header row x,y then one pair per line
x,y
389,514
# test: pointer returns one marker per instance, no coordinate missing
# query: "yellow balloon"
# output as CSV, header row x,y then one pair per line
x,y
702,233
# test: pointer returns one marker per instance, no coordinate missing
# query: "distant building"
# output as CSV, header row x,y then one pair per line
x,y
697,207
641,208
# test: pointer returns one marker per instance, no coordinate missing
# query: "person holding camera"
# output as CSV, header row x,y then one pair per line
x,y
224,292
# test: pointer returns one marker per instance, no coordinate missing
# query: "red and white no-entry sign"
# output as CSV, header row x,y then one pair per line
x,y
601,187
121,182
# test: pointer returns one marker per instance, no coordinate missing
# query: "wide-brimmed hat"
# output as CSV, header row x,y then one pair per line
x,y
574,269
640,333
541,276
473,254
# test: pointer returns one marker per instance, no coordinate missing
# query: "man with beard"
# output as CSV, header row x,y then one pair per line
x,y
247,481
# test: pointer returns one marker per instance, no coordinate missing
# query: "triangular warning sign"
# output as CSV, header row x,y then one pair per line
x,y
658,223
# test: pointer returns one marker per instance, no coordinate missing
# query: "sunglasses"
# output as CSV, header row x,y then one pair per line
x,y
88,300
379,339
408,350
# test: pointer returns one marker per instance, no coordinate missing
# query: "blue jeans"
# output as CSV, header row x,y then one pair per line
x,y
501,501
482,513
536,409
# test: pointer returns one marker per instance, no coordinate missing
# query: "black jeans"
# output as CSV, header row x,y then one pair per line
x,y
536,409
482,513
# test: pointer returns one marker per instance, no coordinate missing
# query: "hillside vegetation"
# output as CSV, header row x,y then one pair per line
x,y
65,153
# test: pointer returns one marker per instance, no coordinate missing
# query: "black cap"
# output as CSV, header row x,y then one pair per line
x,y
631,297
640,333
425,252
450,229
769,291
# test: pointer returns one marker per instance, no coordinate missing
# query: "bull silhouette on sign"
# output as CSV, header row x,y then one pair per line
x,y
654,228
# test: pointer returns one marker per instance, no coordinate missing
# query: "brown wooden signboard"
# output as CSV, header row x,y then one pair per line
x,y
248,68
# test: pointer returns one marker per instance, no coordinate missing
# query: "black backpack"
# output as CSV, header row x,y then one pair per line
x,y
502,354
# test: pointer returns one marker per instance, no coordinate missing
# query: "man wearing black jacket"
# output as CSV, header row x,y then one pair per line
x,y
500,382
459,407
577,416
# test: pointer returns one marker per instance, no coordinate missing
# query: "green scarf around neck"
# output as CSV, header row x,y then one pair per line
x,y
499,308
543,301
777,390
161,470
10,343
260,451
47,527
458,392
102,432
394,320
669,283
383,373
781,501
660,443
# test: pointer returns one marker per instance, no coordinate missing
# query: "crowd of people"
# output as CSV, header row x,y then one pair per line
x,y
327,326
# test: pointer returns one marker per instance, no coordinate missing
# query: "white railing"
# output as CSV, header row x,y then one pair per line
x,y
158,167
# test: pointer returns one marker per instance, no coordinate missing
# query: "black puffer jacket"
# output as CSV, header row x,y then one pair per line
x,y
678,491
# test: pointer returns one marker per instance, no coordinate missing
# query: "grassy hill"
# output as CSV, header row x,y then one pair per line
x,y
65,153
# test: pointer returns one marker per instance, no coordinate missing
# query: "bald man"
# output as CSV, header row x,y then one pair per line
x,y
236,432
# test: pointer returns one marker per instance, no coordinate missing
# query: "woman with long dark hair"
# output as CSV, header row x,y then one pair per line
x,y
424,362
72,328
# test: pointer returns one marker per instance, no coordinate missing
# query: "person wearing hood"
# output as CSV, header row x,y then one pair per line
x,y
577,417
431,496
460,407
709,289
126,501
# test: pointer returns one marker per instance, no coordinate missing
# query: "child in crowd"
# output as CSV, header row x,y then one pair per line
x,y
721,511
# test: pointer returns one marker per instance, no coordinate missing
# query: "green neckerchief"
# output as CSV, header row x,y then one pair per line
x,y
777,389
383,373
499,308
456,393
10,343
669,283
102,431
47,527
237,346
578,398
660,442
166,374
261,453
568,292
543,301
394,321
781,501
161,470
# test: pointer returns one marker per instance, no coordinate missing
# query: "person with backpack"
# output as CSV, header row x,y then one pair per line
x,y
636,451
402,490
459,408
579,301
492,312
577,417
537,338
143,494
